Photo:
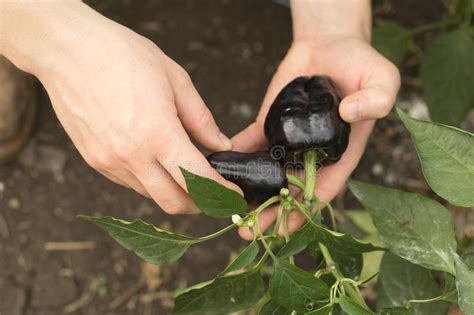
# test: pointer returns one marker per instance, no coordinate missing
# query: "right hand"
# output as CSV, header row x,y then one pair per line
x,y
126,106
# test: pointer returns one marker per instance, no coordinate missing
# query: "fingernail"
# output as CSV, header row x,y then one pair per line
x,y
352,110
226,143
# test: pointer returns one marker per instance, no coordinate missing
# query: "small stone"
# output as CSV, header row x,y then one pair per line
x,y
242,109
14,203
390,178
377,169
43,157
2,187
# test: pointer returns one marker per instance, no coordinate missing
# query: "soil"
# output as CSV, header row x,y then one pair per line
x,y
230,49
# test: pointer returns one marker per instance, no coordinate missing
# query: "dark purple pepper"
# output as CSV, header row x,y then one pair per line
x,y
257,174
305,115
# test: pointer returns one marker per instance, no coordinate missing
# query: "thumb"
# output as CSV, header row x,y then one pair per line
x,y
250,139
375,99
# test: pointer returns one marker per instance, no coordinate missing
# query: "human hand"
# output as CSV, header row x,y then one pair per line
x,y
366,80
127,106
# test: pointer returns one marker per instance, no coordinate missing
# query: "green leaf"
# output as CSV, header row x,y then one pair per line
x,y
212,198
298,241
245,258
447,158
447,73
351,307
392,40
345,244
394,311
296,289
465,286
273,308
147,241
223,295
401,281
406,223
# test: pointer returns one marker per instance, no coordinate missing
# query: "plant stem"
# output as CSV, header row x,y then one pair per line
x,y
432,299
267,248
328,259
216,234
278,220
310,159
287,234
295,181
266,204
349,288
305,212
434,25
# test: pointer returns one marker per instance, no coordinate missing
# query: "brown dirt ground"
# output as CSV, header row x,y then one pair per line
x,y
231,49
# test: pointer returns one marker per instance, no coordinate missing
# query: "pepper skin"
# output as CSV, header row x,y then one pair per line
x,y
305,115
257,174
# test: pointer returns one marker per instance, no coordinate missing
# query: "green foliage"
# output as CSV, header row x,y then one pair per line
x,y
465,285
447,73
223,295
297,289
417,234
447,61
401,281
212,198
245,258
401,220
392,40
147,241
447,158
350,306
273,308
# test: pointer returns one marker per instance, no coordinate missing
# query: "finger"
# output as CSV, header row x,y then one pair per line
x,y
332,178
250,139
194,114
265,219
181,153
376,97
165,191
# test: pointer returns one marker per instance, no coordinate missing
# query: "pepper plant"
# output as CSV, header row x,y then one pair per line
x,y
417,236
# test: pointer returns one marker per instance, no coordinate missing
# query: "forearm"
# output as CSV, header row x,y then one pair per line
x,y
34,34
320,19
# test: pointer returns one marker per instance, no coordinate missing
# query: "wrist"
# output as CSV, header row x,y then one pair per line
x,y
37,35
326,20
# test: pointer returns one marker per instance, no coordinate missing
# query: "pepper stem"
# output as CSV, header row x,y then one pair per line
x,y
310,159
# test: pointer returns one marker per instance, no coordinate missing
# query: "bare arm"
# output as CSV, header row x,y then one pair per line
x,y
117,95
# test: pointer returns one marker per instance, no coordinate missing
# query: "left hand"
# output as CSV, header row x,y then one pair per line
x,y
368,83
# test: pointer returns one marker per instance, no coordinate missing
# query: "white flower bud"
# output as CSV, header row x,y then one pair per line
x,y
237,220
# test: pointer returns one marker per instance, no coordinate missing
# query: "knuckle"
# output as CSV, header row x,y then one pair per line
x,y
123,152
